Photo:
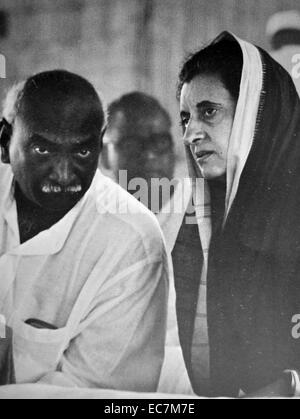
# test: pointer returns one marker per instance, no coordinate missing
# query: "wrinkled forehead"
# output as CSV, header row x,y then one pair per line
x,y
58,114
203,88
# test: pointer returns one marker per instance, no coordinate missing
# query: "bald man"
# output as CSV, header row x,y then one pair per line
x,y
83,266
138,141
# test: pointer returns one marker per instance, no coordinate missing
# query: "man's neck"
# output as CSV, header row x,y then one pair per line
x,y
33,219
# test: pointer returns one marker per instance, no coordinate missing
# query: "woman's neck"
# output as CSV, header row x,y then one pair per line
x,y
218,198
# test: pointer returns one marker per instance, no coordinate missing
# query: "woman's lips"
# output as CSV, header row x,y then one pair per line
x,y
204,156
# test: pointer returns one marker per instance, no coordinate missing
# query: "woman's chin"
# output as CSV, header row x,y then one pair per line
x,y
211,173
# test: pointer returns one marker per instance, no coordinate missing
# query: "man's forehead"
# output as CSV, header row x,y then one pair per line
x,y
36,131
61,120
138,125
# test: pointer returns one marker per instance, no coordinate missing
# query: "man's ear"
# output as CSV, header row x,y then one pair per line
x,y
104,160
103,132
5,137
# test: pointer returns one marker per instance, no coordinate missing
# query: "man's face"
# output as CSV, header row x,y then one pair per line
x,y
53,158
144,148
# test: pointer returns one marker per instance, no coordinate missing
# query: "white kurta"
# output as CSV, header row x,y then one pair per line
x,y
100,277
174,378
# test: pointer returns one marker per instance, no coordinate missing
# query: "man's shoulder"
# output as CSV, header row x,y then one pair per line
x,y
5,172
123,215
5,180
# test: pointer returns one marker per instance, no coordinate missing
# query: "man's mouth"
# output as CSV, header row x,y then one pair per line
x,y
51,189
203,156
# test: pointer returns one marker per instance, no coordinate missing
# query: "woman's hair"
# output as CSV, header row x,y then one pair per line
x,y
223,59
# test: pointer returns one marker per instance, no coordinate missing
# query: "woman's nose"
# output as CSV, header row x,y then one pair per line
x,y
194,133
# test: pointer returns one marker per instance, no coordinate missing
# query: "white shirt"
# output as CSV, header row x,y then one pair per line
x,y
174,378
100,276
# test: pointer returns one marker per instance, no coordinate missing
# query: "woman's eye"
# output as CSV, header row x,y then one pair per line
x,y
210,113
42,151
84,153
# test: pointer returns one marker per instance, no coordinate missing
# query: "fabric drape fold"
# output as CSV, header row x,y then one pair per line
x,y
254,261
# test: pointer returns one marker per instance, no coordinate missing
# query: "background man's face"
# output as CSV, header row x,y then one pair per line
x,y
54,156
144,148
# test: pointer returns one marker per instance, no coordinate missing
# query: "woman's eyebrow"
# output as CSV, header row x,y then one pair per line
x,y
206,103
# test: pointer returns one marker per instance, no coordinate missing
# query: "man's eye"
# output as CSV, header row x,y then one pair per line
x,y
42,151
84,153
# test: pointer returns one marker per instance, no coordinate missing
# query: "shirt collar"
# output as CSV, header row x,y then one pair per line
x,y
48,242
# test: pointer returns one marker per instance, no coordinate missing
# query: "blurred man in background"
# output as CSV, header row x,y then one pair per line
x,y
283,32
139,152
139,141
139,149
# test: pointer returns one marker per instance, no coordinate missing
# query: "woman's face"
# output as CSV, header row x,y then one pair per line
x,y
207,112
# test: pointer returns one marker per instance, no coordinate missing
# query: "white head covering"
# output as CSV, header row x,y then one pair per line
x,y
243,131
281,21
245,120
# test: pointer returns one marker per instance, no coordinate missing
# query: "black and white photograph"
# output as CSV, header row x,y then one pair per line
x,y
150,202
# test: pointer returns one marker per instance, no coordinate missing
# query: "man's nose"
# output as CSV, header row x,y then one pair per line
x,y
151,155
63,173
194,133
